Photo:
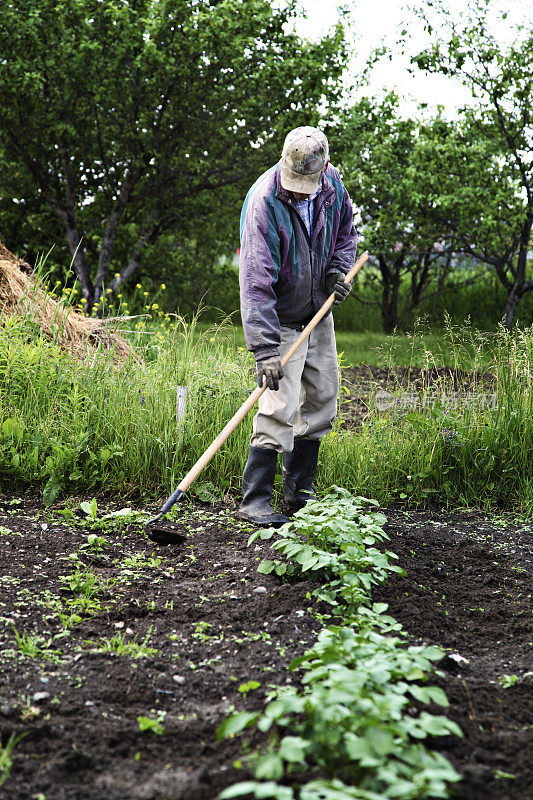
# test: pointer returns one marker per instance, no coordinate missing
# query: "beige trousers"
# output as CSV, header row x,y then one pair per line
x,y
305,405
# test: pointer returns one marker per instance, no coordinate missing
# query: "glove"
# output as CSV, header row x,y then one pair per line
x,y
271,369
336,283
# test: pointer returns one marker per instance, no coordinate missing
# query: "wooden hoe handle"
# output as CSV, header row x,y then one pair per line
x,y
239,415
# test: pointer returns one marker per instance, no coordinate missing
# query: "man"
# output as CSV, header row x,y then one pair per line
x,y
297,243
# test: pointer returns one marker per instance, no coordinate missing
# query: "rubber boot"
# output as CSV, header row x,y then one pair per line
x,y
257,485
299,469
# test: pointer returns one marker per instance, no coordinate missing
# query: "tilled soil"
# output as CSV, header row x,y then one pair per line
x,y
216,624
410,387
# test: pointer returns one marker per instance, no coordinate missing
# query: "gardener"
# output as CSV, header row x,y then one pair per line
x,y
297,243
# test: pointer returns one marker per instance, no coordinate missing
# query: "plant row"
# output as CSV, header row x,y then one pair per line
x,y
356,727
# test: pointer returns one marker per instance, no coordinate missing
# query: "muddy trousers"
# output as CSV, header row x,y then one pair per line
x,y
305,405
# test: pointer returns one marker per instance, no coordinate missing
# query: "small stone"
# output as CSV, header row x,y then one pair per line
x,y
299,613
458,658
260,590
39,696
129,630
119,624
178,679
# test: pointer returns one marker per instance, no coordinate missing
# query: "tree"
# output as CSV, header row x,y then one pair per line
x,y
382,163
130,119
501,80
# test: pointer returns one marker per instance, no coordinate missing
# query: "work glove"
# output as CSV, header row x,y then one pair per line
x,y
271,369
336,283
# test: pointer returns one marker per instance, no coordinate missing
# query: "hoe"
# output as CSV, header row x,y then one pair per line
x,y
166,534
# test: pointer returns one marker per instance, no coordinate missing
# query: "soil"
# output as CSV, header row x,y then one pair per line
x,y
408,385
217,624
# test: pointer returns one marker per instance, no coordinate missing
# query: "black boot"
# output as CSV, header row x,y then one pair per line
x,y
257,485
299,469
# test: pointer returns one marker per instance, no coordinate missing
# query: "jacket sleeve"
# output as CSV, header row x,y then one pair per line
x,y
343,257
259,266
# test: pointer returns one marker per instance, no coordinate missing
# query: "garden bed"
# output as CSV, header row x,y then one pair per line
x,y
367,388
218,628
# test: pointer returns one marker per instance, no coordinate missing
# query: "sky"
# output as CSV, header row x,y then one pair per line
x,y
374,22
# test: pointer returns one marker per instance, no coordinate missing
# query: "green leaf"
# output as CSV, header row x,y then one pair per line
x,y
236,724
266,567
433,653
381,740
293,748
261,791
430,694
105,455
269,767
11,427
150,724
360,749
250,686
91,509
51,490
239,790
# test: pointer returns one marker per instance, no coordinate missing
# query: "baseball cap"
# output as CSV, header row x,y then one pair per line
x,y
305,154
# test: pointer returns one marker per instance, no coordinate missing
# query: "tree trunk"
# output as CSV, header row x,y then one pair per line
x,y
110,233
419,278
147,237
520,286
76,248
389,292
67,216
511,304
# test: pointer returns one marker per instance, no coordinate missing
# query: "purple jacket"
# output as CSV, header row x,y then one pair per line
x,y
282,272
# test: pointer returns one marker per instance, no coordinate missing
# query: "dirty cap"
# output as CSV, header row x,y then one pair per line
x,y
305,155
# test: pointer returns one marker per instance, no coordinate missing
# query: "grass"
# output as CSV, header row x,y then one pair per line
x,y
401,350
70,426
35,646
127,647
6,757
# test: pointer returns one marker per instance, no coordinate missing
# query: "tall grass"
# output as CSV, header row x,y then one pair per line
x,y
71,425
477,454
461,347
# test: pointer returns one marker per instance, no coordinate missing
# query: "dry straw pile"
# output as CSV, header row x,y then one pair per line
x,y
22,294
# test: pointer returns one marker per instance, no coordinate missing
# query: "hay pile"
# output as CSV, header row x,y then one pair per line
x,y
22,295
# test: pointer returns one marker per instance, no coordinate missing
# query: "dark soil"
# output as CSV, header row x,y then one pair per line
x,y
216,624
360,385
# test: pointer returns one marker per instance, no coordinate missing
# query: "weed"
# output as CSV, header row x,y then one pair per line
x,y
504,776
128,647
249,686
36,646
82,582
506,681
95,544
202,632
152,724
6,756
8,532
